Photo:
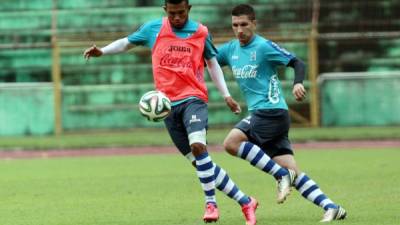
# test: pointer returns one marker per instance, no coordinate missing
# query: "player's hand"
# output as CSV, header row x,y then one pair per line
x,y
233,105
93,51
299,92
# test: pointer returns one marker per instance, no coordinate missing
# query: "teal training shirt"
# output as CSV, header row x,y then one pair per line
x,y
146,35
255,68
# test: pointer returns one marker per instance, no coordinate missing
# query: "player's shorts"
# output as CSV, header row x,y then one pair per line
x,y
187,124
268,128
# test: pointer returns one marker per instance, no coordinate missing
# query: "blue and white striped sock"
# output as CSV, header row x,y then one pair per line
x,y
205,172
226,185
259,159
310,191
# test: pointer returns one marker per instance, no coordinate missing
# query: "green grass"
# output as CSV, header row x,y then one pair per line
x,y
159,137
163,189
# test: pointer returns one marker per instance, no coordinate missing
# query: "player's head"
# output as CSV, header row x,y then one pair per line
x,y
177,12
243,22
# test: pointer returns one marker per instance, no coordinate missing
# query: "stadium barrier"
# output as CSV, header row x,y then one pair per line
x,y
360,99
26,109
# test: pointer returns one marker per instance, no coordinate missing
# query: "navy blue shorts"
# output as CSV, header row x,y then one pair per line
x,y
269,129
187,119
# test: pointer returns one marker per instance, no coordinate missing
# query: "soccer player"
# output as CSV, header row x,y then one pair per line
x,y
264,133
179,48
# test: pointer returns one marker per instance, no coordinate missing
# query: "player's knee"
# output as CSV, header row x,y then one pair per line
x,y
287,162
230,147
198,149
296,169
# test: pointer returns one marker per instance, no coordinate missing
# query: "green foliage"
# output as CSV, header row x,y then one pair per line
x,y
163,189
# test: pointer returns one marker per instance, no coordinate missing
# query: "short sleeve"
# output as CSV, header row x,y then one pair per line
x,y
209,49
277,54
146,33
222,55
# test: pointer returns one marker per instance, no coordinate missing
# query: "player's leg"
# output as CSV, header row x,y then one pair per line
x,y
222,181
203,164
195,120
226,185
311,191
237,143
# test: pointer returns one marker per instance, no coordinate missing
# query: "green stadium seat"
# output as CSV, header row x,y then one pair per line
x,y
26,54
23,5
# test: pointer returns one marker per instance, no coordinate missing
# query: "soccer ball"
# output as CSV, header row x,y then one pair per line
x,y
155,106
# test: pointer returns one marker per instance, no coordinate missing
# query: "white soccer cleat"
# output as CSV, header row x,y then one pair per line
x,y
284,186
334,214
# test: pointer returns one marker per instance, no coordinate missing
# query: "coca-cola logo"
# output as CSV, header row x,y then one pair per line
x,y
176,61
176,55
245,72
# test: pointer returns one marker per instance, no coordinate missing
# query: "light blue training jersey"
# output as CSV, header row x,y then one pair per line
x,y
146,35
255,68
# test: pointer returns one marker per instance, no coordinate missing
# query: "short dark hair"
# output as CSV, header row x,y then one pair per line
x,y
244,9
175,1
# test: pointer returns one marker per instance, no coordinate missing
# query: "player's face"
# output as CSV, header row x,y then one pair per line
x,y
243,28
177,13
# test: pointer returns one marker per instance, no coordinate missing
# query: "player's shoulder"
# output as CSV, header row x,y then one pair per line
x,y
151,24
227,48
192,25
231,44
154,22
272,46
263,42
269,43
195,23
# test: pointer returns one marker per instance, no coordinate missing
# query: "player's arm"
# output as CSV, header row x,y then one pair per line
x,y
115,47
139,37
298,91
222,55
280,56
217,76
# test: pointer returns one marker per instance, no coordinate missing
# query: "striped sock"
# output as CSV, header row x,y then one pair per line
x,y
259,159
310,191
226,185
205,172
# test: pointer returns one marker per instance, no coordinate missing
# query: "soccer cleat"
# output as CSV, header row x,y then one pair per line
x,y
334,214
211,214
284,186
249,211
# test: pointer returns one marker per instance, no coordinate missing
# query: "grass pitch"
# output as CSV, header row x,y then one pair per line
x,y
163,190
